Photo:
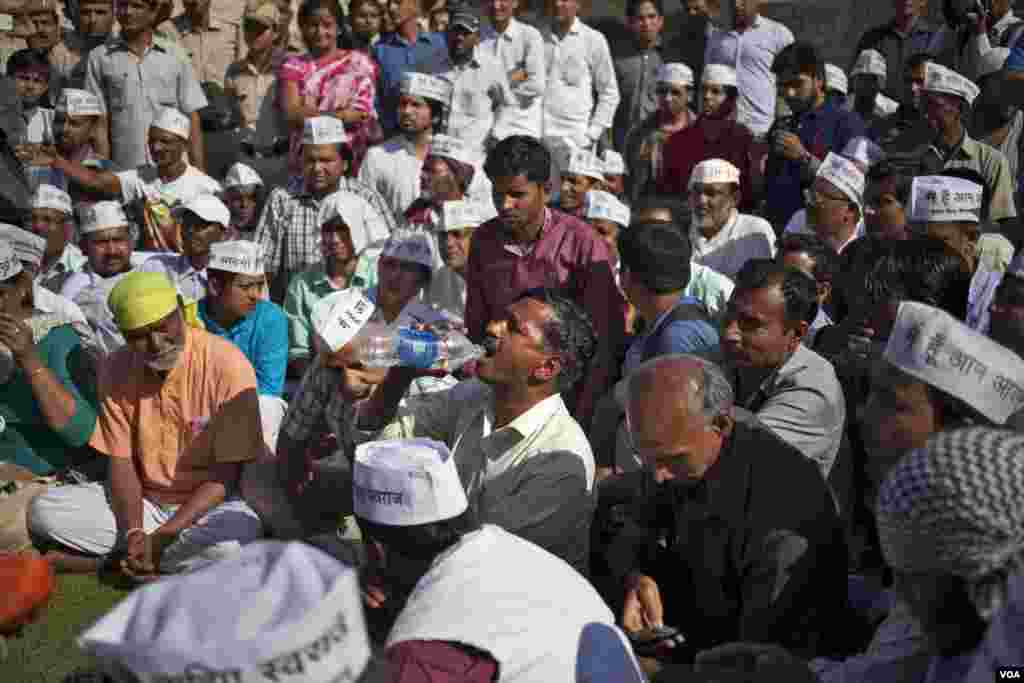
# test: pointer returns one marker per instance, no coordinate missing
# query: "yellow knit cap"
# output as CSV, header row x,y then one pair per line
x,y
141,299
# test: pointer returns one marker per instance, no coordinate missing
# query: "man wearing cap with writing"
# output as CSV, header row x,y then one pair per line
x,y
644,145
722,237
244,194
615,173
393,167
106,240
583,172
171,501
281,608
476,595
454,232
450,173
608,216
204,220
834,203
76,125
152,190
235,310
946,99
53,219
289,228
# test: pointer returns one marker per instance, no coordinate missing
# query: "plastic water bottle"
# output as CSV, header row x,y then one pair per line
x,y
421,349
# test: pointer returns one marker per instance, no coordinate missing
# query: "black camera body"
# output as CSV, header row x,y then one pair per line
x,y
962,13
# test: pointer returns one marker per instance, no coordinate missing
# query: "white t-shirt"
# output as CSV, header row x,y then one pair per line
x,y
144,183
741,239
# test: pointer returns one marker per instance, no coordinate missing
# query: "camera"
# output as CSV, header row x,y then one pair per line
x,y
962,13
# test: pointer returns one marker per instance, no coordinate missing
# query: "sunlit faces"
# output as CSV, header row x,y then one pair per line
x,y
159,344
322,167
520,204
454,247
239,294
47,30
414,114
197,236
574,189
519,354
108,251
52,225
712,205
166,148
755,332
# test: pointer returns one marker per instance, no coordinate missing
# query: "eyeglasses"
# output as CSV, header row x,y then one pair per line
x,y
814,197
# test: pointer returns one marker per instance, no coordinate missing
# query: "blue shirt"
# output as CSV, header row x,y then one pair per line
x,y
696,337
396,57
823,130
263,338
1015,61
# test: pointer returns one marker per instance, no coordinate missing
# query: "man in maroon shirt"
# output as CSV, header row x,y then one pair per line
x,y
529,246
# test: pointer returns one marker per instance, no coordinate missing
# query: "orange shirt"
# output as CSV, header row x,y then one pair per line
x,y
205,412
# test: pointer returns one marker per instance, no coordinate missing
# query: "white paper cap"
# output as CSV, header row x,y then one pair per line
x,y
50,197
845,175
869,62
714,171
835,79
676,73
337,318
173,121
863,151
210,209
721,74
406,482
586,163
426,86
885,106
605,655
411,246
940,198
101,216
940,79
324,130
992,61
10,264
936,348
240,175
459,215
28,247
73,102
606,206
270,611
614,164
237,256
451,148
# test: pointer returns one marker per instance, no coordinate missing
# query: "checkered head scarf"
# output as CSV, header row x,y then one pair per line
x,y
956,506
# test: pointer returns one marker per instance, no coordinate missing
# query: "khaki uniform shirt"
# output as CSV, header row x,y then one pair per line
x,y
212,51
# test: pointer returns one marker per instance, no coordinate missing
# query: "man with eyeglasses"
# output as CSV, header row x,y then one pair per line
x,y
834,202
753,548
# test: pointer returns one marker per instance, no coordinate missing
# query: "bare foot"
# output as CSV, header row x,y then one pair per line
x,y
64,563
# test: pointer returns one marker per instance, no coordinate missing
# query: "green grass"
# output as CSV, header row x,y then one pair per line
x,y
46,652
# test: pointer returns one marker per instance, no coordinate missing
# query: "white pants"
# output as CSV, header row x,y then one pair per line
x,y
80,518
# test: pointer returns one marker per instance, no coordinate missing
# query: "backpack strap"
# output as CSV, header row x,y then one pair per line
x,y
684,311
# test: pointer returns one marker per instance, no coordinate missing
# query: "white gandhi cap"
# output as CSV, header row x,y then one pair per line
x,y
28,247
101,216
940,198
406,482
280,608
324,130
721,74
863,151
450,148
240,175
869,62
10,264
411,246
173,121
835,78
845,175
602,205
74,102
936,348
50,197
585,163
714,171
426,86
614,164
237,256
210,209
338,317
459,215
940,79
676,73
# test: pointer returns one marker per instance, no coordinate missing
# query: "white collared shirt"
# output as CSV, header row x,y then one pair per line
x,y
751,53
480,92
89,291
578,66
393,170
742,238
519,47
145,184
798,224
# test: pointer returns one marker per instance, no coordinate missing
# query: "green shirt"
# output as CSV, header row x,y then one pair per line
x,y
27,440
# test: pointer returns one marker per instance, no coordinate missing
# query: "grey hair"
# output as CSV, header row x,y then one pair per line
x,y
711,395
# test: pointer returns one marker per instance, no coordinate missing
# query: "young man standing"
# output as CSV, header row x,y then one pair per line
x,y
520,49
636,69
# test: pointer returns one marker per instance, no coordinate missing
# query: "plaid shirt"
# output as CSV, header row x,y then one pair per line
x,y
289,230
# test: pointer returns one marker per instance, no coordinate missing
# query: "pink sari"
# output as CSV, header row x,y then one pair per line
x,y
348,80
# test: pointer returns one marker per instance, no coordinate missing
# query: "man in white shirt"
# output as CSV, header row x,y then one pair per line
x,y
155,189
106,240
393,167
582,94
750,48
722,237
835,201
454,235
520,49
480,89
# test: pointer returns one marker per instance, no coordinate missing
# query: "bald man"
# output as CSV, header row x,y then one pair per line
x,y
755,549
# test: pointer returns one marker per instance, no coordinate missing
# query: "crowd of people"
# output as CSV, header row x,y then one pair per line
x,y
734,339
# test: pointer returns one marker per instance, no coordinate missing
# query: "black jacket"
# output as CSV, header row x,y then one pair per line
x,y
753,552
